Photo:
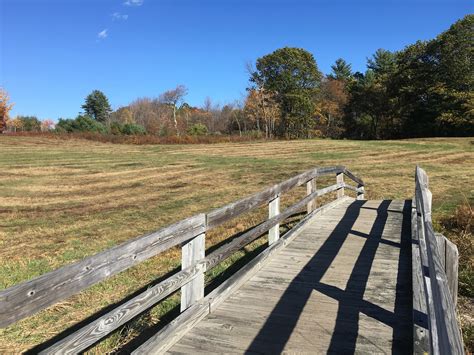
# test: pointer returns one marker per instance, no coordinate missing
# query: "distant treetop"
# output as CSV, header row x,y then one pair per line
x,y
97,106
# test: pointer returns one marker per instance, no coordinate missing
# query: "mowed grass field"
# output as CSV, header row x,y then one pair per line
x,y
61,201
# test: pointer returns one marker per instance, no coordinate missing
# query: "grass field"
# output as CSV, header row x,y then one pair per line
x,y
63,200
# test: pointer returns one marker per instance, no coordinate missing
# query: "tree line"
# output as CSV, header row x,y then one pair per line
x,y
425,89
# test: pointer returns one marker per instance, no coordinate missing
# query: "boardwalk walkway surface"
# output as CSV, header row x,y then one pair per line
x,y
353,276
343,285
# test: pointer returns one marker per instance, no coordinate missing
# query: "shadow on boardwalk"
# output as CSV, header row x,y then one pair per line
x,y
351,299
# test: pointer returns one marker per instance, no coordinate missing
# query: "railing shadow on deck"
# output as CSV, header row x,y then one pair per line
x,y
350,300
173,312
29,297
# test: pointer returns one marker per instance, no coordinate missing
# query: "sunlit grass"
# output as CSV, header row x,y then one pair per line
x,y
63,200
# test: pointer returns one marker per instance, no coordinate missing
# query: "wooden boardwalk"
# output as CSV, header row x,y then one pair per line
x,y
343,285
353,276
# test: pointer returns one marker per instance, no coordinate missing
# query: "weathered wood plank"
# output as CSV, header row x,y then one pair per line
x,y
173,331
360,192
311,186
274,210
421,334
29,297
441,243
354,178
170,334
452,266
193,252
226,250
96,330
304,311
445,335
340,180
232,210
233,283
450,259
355,189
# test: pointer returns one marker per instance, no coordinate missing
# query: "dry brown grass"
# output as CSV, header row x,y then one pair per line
x,y
136,139
459,227
61,200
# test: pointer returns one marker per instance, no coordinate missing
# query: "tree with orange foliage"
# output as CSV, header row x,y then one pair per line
x,y
5,107
330,108
261,105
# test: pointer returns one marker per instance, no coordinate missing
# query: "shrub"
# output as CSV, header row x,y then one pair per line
x,y
197,129
64,125
133,129
81,123
30,123
116,128
253,134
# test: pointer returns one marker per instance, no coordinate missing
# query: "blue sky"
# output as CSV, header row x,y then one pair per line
x,y
54,52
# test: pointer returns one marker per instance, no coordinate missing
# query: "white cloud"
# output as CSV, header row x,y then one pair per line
x,y
117,16
102,34
133,2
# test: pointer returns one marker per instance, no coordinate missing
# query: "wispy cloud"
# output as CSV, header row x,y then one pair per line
x,y
102,34
117,16
133,2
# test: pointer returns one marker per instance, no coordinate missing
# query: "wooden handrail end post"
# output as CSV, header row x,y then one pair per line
x,y
311,186
340,180
192,252
274,210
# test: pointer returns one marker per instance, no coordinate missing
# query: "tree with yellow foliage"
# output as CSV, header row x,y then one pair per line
x,y
5,107
261,106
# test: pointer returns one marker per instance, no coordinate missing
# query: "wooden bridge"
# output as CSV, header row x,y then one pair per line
x,y
353,275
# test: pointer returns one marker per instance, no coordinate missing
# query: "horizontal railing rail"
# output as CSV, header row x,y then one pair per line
x,y
430,280
30,297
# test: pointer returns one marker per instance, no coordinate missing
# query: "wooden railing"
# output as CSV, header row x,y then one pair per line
x,y
29,297
434,273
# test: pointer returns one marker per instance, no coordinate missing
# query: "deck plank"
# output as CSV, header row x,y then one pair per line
x,y
342,286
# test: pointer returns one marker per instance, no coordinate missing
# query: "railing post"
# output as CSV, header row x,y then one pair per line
x,y
310,188
340,180
360,194
273,210
192,252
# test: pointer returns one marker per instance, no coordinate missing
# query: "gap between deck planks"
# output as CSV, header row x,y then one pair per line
x,y
342,285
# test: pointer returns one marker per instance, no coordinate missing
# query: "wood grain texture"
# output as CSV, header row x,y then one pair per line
x,y
232,210
169,335
445,334
450,259
192,253
29,297
452,268
339,286
96,330
421,332
227,249
274,210
311,186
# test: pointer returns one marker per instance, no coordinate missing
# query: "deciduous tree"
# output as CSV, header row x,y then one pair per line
x,y
174,98
330,107
5,107
261,105
293,76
